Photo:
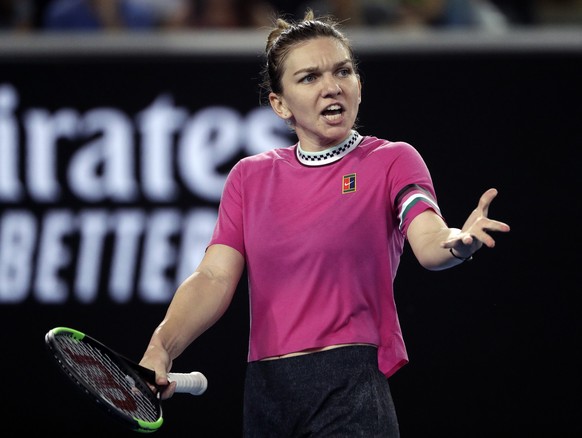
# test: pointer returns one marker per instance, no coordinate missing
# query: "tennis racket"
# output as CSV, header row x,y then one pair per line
x,y
115,383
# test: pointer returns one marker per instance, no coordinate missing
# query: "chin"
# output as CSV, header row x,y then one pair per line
x,y
340,131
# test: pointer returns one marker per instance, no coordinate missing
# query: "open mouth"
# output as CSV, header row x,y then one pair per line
x,y
333,111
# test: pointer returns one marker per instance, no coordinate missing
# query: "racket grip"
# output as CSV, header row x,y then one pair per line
x,y
194,383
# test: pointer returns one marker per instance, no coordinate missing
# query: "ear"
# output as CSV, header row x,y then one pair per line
x,y
360,92
278,105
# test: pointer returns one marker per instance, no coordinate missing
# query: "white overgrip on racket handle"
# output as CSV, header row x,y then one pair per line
x,y
194,383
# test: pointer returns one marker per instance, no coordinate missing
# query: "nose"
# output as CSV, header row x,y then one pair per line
x,y
331,87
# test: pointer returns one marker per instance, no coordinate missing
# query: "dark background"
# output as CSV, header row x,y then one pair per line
x,y
494,344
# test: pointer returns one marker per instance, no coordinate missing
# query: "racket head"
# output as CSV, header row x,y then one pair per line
x,y
107,378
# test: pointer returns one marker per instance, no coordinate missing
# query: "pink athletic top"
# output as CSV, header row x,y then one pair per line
x,y
322,234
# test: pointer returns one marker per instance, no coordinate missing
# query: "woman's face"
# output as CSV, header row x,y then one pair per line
x,y
321,93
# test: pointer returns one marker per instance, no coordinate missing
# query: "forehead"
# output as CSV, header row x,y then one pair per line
x,y
316,53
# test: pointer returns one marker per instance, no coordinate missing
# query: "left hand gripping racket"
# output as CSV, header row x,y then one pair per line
x,y
115,383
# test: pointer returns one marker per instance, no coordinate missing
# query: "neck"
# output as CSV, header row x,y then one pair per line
x,y
331,154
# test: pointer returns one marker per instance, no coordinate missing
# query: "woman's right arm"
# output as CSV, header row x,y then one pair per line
x,y
197,304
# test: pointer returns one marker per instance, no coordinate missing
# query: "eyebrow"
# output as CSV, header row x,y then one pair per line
x,y
312,69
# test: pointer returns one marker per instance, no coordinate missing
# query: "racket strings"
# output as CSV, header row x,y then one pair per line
x,y
115,386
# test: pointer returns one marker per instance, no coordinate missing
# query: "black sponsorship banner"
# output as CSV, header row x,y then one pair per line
x,y
111,169
111,173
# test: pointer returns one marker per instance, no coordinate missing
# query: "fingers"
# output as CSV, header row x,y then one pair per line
x,y
485,200
161,378
478,233
478,227
467,239
163,387
167,391
477,220
483,227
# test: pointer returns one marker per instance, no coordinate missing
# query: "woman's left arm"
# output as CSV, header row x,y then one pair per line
x,y
437,246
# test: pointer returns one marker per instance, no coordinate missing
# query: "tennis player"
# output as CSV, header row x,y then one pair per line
x,y
320,227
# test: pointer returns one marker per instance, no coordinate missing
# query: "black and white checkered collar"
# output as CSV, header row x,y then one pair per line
x,y
329,155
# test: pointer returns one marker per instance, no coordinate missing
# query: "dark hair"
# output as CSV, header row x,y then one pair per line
x,y
284,36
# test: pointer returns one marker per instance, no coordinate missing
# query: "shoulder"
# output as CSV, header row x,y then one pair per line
x,y
388,150
266,158
375,144
262,163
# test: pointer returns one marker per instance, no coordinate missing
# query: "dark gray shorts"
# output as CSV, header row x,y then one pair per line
x,y
333,393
